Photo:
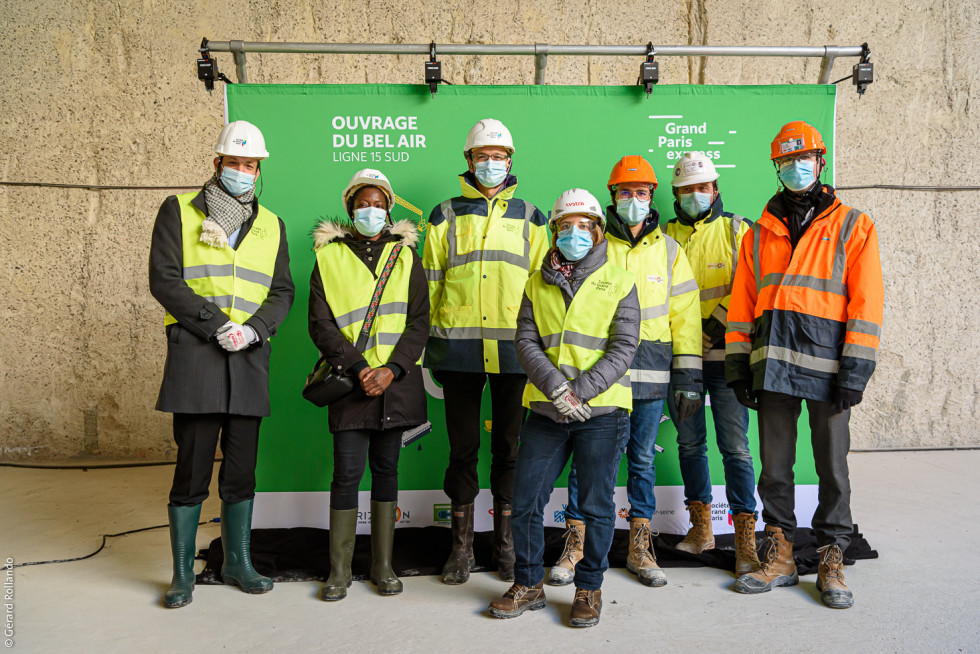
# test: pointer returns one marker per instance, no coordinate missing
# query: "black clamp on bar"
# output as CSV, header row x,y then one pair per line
x,y
863,72
433,70
649,70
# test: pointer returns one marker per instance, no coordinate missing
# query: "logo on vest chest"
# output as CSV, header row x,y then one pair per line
x,y
607,287
655,279
260,233
718,266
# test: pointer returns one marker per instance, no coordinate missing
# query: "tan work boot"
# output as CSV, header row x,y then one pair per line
x,y
518,599
641,560
586,608
563,572
746,555
830,578
778,568
699,537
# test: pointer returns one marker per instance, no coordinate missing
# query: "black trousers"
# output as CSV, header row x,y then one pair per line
x,y
350,450
830,437
463,392
197,435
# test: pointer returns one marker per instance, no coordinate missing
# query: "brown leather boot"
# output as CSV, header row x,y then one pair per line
x,y
746,555
586,608
518,599
699,537
563,572
503,542
777,569
461,561
641,560
830,578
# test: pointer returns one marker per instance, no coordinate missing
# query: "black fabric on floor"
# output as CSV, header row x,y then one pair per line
x,y
302,553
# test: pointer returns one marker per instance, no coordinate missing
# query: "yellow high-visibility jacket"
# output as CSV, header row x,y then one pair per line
x,y
478,256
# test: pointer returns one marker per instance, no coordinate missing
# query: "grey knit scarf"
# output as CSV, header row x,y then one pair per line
x,y
226,213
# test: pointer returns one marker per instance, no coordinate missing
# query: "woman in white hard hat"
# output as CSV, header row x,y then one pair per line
x,y
352,261
219,265
577,331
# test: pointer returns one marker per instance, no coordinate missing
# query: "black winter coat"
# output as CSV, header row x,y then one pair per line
x,y
199,376
403,404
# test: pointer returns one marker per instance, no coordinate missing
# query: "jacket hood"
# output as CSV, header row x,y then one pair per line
x,y
328,231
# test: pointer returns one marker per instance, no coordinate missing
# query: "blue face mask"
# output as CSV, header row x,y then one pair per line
x,y
369,220
490,173
633,211
798,175
694,204
574,243
235,181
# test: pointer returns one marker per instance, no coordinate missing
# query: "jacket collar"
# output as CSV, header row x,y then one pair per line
x,y
616,227
585,267
467,182
772,217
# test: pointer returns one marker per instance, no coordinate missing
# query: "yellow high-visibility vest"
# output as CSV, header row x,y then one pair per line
x,y
575,338
237,280
348,286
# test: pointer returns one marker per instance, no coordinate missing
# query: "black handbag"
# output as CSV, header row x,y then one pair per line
x,y
324,385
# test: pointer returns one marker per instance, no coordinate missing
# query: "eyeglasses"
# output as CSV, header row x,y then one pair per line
x,y
587,225
639,194
481,158
791,158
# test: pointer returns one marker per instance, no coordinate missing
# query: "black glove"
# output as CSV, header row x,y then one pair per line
x,y
714,330
744,394
845,398
687,403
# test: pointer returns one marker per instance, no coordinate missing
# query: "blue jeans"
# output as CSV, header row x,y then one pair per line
x,y
544,450
731,427
640,450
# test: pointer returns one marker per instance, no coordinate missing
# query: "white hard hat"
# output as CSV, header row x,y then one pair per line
x,y
693,168
241,139
577,201
489,132
368,177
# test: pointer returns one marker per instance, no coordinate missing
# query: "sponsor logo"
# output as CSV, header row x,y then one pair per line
x,y
442,513
560,514
623,513
574,204
719,265
240,142
656,279
488,426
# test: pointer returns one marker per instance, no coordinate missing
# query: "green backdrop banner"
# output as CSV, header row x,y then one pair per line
x,y
565,136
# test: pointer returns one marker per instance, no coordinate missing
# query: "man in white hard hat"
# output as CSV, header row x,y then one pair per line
x,y
219,265
480,248
711,237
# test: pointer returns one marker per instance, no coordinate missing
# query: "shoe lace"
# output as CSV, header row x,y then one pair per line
x,y
641,540
516,591
587,596
832,561
772,551
573,542
746,538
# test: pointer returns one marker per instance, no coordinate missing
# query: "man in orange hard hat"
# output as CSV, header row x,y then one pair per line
x,y
803,324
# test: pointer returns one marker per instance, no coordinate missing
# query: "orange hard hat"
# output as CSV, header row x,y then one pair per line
x,y
797,136
632,168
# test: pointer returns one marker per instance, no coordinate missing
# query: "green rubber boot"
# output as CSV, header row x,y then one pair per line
x,y
236,535
382,544
183,535
343,530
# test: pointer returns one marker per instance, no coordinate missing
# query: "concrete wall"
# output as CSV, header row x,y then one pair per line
x,y
105,93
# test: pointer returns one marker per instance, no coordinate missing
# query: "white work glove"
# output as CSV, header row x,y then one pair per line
x,y
570,406
234,337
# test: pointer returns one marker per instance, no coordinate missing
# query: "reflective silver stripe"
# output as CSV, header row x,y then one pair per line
x,y
743,327
805,281
771,279
795,358
716,292
689,286
227,270
584,340
840,255
860,351
714,355
671,257
225,302
863,327
651,313
686,361
551,340
736,224
357,315
434,275
756,235
472,333
720,314
649,376
738,347
455,259
382,339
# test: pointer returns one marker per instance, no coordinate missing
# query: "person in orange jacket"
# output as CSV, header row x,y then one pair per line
x,y
803,324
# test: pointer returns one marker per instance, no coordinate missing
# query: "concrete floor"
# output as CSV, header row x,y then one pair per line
x,y
922,595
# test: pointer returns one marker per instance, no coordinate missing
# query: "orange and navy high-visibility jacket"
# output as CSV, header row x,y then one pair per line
x,y
804,320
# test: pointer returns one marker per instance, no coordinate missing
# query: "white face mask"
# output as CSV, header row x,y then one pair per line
x,y
694,204
633,211
369,220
